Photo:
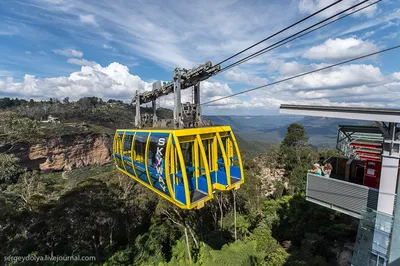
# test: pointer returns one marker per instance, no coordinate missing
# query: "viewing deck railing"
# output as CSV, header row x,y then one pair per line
x,y
341,195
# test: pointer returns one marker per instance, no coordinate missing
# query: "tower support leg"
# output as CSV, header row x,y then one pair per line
x,y
197,115
177,100
154,105
138,119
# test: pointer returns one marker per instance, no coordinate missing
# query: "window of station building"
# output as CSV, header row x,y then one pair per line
x,y
140,148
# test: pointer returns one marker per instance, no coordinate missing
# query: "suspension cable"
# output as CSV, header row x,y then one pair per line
x,y
291,36
276,33
304,74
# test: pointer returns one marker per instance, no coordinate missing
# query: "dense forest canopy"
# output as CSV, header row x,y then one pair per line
x,y
97,211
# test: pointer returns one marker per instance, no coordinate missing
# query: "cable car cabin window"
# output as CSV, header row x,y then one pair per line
x,y
127,145
207,143
140,148
119,145
221,164
157,150
187,152
156,161
139,156
231,152
118,151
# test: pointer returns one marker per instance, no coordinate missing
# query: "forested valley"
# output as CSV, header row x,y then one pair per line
x,y
97,211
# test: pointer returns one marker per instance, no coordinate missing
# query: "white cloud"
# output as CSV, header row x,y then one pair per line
x,y
42,53
81,62
69,52
28,52
339,49
388,20
359,90
186,36
88,19
214,89
113,81
349,85
311,6
208,91
392,35
183,36
288,68
368,34
243,77
341,76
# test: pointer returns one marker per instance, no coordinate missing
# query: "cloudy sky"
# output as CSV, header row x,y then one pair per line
x,y
110,49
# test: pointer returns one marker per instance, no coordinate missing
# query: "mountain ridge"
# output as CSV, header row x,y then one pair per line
x,y
322,131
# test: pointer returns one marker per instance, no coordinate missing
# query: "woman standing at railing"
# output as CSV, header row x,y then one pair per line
x,y
327,170
317,169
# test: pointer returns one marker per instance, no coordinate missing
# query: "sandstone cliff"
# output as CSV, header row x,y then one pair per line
x,y
64,153
270,173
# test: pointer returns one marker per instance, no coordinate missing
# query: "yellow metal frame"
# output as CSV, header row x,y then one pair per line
x,y
173,157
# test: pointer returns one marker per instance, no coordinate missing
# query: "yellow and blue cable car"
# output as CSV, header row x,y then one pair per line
x,y
183,166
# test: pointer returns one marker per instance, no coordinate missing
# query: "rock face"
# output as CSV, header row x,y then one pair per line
x,y
268,178
270,174
66,152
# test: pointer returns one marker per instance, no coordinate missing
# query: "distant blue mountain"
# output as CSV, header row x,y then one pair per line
x,y
272,129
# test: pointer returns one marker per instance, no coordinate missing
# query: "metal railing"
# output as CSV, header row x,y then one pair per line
x,y
341,195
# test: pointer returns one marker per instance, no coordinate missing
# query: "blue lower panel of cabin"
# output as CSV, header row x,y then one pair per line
x,y
159,181
129,169
221,178
180,193
213,176
200,191
235,172
141,172
203,186
236,175
118,160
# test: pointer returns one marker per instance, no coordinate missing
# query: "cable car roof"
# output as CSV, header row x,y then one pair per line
x,y
182,131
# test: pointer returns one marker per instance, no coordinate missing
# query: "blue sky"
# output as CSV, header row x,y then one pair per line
x,y
110,49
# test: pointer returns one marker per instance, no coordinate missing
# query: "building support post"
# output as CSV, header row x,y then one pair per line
x,y
387,193
394,246
389,171
177,99
138,122
197,115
